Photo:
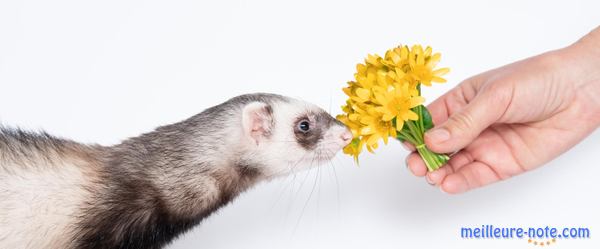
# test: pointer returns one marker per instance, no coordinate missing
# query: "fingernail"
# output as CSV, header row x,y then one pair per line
x,y
429,180
405,146
438,135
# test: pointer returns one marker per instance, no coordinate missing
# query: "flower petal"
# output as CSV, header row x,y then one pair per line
x,y
363,93
399,124
438,79
410,115
416,101
441,71
387,117
366,131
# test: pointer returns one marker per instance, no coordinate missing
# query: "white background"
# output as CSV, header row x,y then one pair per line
x,y
101,71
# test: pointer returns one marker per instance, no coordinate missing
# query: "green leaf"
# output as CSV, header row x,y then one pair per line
x,y
427,122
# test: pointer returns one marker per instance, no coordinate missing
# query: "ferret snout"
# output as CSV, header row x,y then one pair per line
x,y
343,135
346,136
341,131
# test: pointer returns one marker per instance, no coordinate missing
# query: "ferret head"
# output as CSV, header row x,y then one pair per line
x,y
287,135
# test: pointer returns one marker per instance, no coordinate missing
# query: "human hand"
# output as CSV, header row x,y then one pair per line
x,y
515,118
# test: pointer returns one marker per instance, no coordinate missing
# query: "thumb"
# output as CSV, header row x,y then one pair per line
x,y
463,126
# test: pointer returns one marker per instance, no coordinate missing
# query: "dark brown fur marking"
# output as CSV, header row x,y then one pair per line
x,y
319,123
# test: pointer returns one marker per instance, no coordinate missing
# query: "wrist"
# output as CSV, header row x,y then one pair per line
x,y
589,47
582,60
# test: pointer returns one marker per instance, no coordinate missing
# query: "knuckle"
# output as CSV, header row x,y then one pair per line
x,y
462,121
499,93
500,90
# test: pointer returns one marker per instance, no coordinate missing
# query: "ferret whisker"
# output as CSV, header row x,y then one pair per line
x,y
337,188
302,183
291,194
319,192
337,185
295,196
309,197
291,168
281,193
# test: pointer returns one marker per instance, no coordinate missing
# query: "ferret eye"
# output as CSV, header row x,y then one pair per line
x,y
304,126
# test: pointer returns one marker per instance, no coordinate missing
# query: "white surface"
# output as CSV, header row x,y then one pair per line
x,y
100,71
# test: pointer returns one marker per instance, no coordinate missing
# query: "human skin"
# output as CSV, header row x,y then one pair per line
x,y
515,118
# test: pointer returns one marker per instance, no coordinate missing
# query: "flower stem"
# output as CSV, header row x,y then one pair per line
x,y
408,137
416,132
432,160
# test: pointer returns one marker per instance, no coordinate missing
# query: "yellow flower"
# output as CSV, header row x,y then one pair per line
x,y
375,127
397,104
421,66
354,148
384,91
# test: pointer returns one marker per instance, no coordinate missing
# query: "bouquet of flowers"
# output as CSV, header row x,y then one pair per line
x,y
385,101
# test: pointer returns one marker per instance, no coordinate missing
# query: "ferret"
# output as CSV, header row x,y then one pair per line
x,y
147,190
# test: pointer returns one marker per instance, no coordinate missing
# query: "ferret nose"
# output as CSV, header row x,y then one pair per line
x,y
346,136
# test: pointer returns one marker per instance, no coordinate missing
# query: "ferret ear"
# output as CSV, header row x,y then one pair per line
x,y
257,121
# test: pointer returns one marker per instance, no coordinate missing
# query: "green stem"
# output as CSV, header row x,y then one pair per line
x,y
432,160
416,132
408,137
422,125
402,137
